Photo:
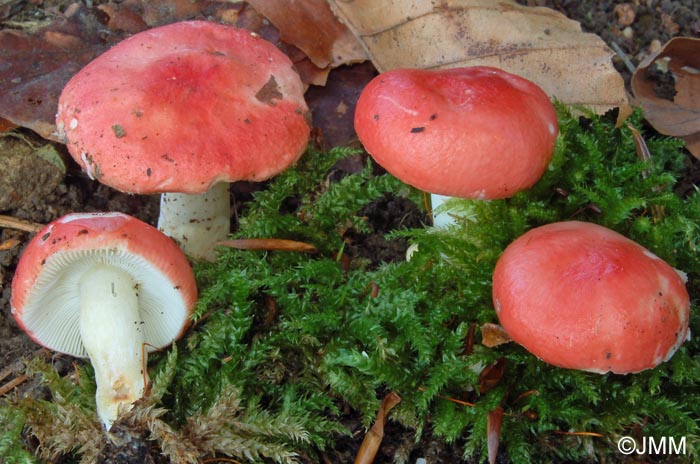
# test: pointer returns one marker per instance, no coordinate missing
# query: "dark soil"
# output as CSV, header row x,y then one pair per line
x,y
638,27
37,190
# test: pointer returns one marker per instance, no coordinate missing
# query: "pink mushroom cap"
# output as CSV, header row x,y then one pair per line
x,y
581,296
473,132
180,107
45,300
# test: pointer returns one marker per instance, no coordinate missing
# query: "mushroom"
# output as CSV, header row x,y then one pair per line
x,y
581,296
109,287
184,108
473,132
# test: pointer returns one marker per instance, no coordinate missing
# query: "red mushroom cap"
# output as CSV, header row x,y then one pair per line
x,y
180,107
44,288
581,296
475,132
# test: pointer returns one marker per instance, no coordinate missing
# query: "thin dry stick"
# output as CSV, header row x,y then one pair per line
x,y
12,384
449,398
623,56
213,460
640,145
9,222
580,434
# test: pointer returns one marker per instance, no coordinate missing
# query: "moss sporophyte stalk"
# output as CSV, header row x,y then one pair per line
x,y
284,344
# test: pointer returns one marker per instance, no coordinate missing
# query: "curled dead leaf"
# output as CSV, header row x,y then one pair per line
x,y
333,106
36,65
493,432
492,375
311,26
120,17
493,335
537,43
373,439
469,340
676,111
6,125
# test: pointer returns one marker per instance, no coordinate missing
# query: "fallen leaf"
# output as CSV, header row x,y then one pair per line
x,y
268,244
311,26
493,335
493,432
311,74
491,375
333,106
373,439
677,115
469,340
123,18
35,67
6,125
537,43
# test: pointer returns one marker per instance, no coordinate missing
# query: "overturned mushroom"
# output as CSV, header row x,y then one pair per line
x,y
109,287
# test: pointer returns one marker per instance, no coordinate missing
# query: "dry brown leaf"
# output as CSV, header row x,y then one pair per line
x,y
6,125
311,26
679,116
469,340
373,439
333,106
493,432
492,375
121,17
537,43
36,66
493,335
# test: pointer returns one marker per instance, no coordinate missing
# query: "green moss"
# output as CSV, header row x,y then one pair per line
x,y
333,340
292,337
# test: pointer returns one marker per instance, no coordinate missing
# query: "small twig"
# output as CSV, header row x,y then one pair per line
x,y
9,222
268,244
625,59
657,212
580,434
212,460
12,384
449,398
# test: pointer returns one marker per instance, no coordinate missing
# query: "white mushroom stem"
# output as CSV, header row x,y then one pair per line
x,y
112,333
441,218
197,222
